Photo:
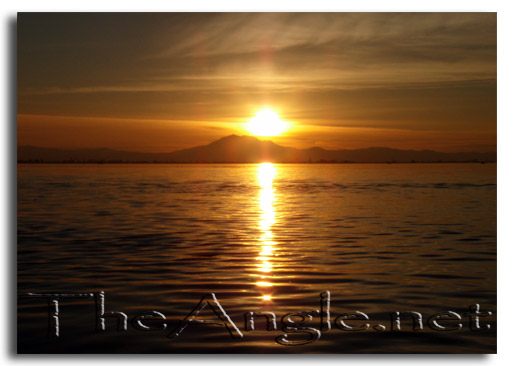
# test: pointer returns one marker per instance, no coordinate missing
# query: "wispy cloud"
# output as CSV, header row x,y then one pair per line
x,y
415,71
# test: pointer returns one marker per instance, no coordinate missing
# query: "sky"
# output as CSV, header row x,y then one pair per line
x,y
159,82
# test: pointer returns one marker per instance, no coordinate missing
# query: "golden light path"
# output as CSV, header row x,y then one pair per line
x,y
266,172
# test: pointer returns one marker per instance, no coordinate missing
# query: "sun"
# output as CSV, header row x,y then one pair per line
x,y
267,122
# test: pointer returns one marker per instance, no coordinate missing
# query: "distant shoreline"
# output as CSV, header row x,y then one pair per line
x,y
249,150
231,162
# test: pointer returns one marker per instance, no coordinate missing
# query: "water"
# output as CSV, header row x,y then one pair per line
x,y
380,238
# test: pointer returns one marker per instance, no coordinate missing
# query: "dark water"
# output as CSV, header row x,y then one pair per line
x,y
379,238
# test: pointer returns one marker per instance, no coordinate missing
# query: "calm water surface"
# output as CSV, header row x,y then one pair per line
x,y
381,238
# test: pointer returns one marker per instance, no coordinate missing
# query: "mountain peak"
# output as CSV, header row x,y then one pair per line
x,y
250,149
237,137
231,139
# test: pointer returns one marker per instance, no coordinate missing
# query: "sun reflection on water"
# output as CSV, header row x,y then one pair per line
x,y
266,173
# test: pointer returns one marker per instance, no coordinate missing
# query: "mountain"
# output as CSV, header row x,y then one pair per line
x,y
248,149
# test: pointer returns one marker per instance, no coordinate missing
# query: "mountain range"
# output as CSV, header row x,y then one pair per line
x,y
248,149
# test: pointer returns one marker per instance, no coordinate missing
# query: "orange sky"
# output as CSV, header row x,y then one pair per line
x,y
162,82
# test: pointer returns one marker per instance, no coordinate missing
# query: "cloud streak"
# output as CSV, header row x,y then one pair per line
x,y
414,71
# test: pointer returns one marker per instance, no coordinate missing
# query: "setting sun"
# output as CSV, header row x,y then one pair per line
x,y
267,122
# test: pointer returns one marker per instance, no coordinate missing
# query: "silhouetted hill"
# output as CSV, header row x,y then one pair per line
x,y
248,149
